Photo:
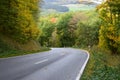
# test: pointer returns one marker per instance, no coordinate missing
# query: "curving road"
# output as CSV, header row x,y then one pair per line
x,y
57,64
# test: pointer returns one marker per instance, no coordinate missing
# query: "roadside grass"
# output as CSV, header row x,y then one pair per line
x,y
102,66
7,51
12,52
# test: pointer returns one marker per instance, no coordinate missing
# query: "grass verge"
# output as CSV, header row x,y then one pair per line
x,y
102,66
7,51
12,52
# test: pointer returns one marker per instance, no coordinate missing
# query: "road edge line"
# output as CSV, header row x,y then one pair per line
x,y
83,67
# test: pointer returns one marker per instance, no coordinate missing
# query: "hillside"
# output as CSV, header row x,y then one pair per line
x,y
55,7
62,1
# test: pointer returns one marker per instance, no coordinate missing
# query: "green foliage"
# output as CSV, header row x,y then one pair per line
x,y
55,40
3,47
65,30
18,19
110,31
70,29
8,51
56,30
101,66
47,27
87,30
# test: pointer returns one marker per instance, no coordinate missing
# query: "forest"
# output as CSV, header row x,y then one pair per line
x,y
23,29
70,29
88,28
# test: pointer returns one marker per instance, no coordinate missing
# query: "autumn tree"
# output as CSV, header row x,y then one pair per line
x,y
110,31
18,19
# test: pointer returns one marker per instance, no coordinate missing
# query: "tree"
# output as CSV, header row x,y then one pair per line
x,y
54,40
18,19
110,32
64,30
87,29
47,26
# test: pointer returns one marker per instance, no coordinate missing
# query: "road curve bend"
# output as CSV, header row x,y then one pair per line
x,y
56,64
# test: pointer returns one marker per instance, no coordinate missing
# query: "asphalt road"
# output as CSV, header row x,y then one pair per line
x,y
57,64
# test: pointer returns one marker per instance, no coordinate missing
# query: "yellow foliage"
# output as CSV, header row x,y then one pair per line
x,y
102,40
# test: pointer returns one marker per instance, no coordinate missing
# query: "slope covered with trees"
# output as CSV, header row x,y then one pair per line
x,y
18,20
72,29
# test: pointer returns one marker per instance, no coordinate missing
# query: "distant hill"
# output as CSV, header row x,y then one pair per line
x,y
56,7
63,1
60,5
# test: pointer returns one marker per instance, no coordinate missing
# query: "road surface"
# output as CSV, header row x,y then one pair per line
x,y
57,64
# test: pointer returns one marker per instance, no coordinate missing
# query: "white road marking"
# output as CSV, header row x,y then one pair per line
x,y
41,61
63,53
83,67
